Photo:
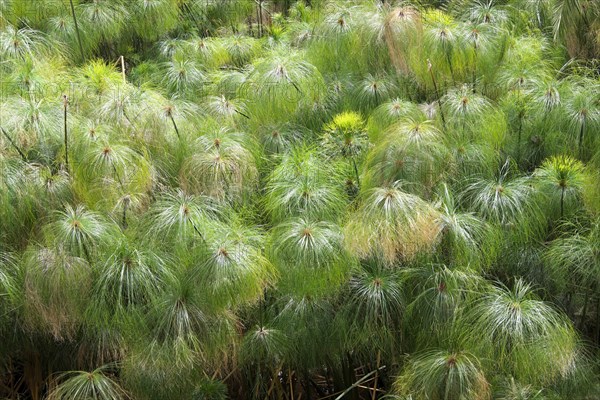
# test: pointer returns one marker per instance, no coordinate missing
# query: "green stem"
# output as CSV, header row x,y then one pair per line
x,y
66,132
118,176
562,201
190,12
77,30
242,114
584,311
122,59
307,385
349,379
259,18
356,172
197,231
521,115
175,126
86,253
475,66
358,382
13,144
374,394
450,67
581,133
439,100
290,380
597,330
125,207
568,301
446,246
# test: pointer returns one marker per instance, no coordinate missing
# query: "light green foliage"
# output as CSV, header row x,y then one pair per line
x,y
88,385
443,375
299,199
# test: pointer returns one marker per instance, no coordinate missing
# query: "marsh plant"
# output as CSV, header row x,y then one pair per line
x,y
299,199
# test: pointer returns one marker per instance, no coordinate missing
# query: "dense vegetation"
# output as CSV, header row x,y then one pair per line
x,y
257,199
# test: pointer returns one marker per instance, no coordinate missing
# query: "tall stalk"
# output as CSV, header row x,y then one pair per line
x,y
439,99
66,132
584,310
174,125
520,132
290,380
126,202
597,330
562,200
356,172
86,253
259,17
198,231
77,30
350,379
580,141
169,113
374,394
449,59
307,385
474,65
13,144
122,59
